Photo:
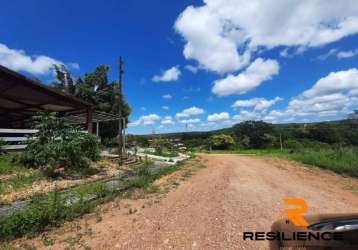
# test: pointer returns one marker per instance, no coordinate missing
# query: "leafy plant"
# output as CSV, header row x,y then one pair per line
x,y
222,141
58,145
95,88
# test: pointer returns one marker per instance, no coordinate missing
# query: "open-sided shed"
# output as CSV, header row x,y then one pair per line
x,y
21,97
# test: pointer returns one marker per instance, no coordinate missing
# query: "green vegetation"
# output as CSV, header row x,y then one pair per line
x,y
58,145
330,145
17,175
163,147
163,153
53,209
343,160
95,88
20,181
9,166
222,141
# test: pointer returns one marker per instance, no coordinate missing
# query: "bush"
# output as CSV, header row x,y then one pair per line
x,y
222,141
59,145
254,133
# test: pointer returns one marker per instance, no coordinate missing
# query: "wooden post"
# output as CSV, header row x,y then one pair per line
x,y
89,120
120,113
281,142
97,129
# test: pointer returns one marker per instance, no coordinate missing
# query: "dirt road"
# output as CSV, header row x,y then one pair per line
x,y
211,209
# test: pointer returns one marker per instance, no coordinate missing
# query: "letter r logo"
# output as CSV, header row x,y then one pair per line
x,y
295,215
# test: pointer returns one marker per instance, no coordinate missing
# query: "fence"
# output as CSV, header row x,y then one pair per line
x,y
16,139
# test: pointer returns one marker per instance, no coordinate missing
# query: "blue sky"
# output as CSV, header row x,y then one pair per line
x,y
198,65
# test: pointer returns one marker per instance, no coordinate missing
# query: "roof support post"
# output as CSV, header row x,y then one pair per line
x,y
89,122
97,129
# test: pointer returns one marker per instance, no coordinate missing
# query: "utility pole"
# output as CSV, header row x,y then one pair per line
x,y
120,113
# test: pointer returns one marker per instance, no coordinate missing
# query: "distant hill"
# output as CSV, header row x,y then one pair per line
x,y
351,124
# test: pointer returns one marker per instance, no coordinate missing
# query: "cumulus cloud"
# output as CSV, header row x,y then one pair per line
x,y
190,112
222,34
167,120
18,60
190,121
216,117
259,71
146,120
259,104
167,96
246,115
165,107
168,75
331,95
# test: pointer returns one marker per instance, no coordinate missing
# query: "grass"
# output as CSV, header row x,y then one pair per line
x,y
340,160
19,177
7,166
53,209
19,181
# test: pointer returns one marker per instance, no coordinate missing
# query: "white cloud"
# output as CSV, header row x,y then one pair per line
x,y
223,116
165,107
167,96
190,121
135,123
259,71
192,69
168,75
73,66
146,120
190,112
245,115
259,104
150,119
336,93
339,54
18,60
222,34
347,54
168,120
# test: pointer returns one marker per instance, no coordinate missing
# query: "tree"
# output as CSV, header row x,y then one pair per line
x,y
254,133
222,141
96,89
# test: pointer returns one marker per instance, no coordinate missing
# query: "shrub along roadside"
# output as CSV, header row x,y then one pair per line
x,y
54,209
58,145
342,160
